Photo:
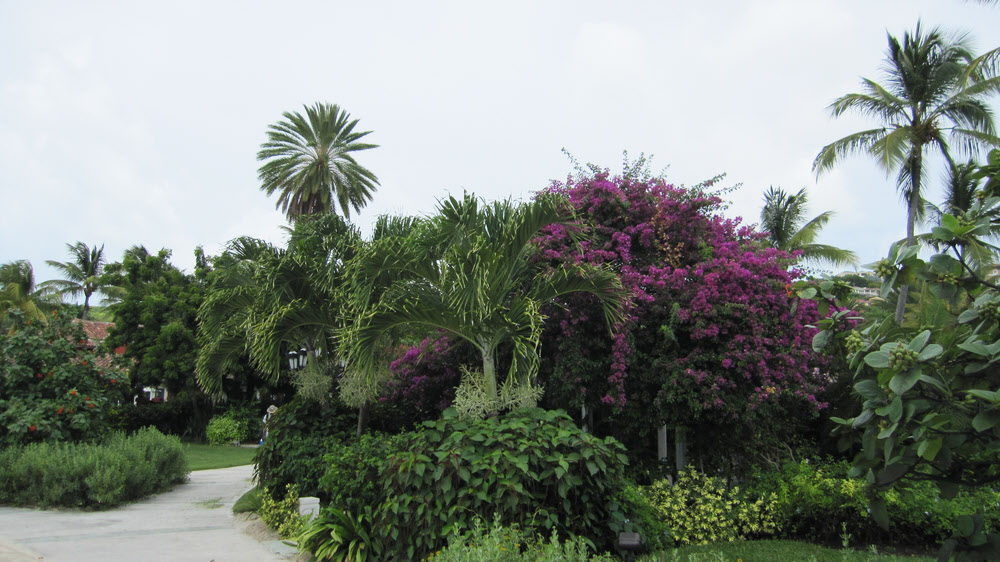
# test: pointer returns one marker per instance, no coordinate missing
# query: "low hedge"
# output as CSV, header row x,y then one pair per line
x,y
92,475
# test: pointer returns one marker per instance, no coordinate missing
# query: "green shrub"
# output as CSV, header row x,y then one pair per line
x,y
50,389
817,501
699,509
301,433
532,467
91,475
352,480
499,543
224,430
282,515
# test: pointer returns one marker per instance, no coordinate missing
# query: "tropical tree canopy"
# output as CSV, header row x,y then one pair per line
x,y
265,300
19,292
308,162
82,275
933,96
469,272
781,219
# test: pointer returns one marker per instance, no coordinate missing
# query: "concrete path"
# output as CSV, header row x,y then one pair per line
x,y
193,522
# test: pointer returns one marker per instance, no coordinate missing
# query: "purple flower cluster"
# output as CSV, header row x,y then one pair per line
x,y
710,326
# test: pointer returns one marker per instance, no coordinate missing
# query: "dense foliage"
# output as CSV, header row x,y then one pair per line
x,y
712,340
99,475
51,388
300,434
530,467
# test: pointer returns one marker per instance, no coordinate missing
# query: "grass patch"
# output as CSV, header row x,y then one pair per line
x,y
772,550
214,503
249,502
205,457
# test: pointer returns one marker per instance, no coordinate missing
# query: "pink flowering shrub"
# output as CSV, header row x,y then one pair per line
x,y
424,377
712,336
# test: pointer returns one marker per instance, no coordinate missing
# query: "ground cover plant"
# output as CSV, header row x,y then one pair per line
x,y
91,475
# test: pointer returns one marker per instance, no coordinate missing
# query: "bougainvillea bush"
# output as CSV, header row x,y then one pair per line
x,y
714,339
51,388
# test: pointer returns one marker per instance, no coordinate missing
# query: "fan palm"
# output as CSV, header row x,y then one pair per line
x,y
309,163
782,216
82,274
469,272
932,95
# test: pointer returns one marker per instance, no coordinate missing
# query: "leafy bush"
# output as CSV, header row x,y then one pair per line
x,y
500,543
817,501
352,480
224,430
282,515
301,433
91,475
530,465
50,390
699,509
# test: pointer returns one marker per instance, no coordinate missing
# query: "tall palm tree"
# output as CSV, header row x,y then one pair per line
x,y
930,96
82,274
309,163
19,292
469,272
782,217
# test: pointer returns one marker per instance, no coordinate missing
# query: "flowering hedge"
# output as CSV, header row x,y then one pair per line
x,y
713,334
51,389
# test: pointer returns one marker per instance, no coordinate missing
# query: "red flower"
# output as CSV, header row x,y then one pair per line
x,y
788,289
84,363
31,427
113,381
60,410
91,404
73,392
88,399
41,375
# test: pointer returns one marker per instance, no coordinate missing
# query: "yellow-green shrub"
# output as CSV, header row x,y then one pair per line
x,y
700,510
282,515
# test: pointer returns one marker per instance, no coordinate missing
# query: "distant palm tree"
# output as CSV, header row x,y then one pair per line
x,y
19,292
933,93
308,162
82,274
782,217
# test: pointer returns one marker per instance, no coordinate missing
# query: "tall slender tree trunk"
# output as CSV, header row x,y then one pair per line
x,y
490,372
912,208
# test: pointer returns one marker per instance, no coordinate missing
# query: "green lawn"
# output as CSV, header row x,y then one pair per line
x,y
204,457
771,551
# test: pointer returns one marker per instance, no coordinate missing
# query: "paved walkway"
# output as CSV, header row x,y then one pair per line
x,y
193,522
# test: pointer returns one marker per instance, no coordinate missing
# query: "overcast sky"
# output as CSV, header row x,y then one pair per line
x,y
126,123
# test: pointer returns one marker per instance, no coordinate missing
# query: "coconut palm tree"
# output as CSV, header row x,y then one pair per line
x,y
468,271
308,161
19,292
781,218
931,99
82,274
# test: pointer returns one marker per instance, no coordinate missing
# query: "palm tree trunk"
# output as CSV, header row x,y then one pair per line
x,y
911,222
490,372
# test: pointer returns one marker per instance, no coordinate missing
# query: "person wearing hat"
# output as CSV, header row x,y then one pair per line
x,y
267,417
